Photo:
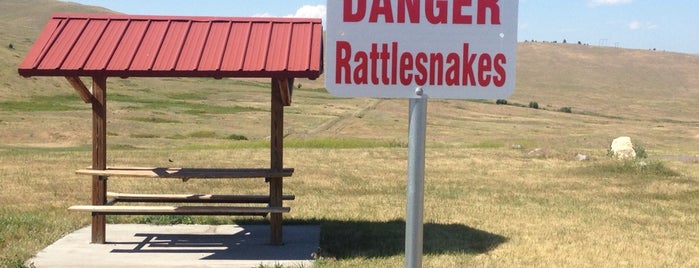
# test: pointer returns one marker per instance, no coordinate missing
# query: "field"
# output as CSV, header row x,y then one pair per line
x,y
503,186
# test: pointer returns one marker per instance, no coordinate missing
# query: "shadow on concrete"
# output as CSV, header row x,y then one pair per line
x,y
251,243
338,239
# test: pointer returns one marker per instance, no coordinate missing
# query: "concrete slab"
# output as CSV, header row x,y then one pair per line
x,y
140,245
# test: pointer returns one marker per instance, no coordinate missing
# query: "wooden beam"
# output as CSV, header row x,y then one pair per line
x,y
192,198
80,87
99,155
276,161
286,87
187,173
179,210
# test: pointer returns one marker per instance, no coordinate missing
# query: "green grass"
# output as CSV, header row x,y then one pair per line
x,y
487,144
19,237
144,136
199,95
154,120
202,134
202,108
52,103
648,170
186,107
27,150
325,143
347,143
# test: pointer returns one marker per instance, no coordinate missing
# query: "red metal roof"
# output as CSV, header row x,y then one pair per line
x,y
173,46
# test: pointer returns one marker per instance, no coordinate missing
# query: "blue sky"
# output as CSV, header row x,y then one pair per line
x,y
671,25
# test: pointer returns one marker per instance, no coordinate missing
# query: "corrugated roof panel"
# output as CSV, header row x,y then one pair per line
x,y
215,46
316,46
85,45
193,47
128,45
125,45
106,45
173,41
58,52
278,51
237,47
150,45
300,50
40,46
258,46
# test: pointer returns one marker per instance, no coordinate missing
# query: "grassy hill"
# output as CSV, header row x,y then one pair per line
x,y
650,90
20,24
503,187
628,83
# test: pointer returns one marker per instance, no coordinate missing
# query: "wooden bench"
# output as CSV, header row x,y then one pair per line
x,y
109,208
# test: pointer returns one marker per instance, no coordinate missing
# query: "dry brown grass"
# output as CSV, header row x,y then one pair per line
x,y
500,206
502,186
522,210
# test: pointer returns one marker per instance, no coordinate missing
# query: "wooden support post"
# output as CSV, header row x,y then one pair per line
x,y
286,87
99,155
80,87
276,161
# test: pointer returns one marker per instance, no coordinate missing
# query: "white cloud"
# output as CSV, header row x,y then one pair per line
x,y
637,25
306,11
634,25
609,2
309,11
523,25
263,15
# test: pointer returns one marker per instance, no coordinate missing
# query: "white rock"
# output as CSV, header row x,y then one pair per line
x,y
581,157
622,148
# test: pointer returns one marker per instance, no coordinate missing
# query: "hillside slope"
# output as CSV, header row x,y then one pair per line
x,y
21,21
610,81
611,92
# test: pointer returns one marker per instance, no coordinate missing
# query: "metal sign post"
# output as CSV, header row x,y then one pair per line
x,y
416,180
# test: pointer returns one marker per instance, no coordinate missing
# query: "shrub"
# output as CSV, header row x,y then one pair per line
x,y
566,110
640,151
237,137
534,105
501,102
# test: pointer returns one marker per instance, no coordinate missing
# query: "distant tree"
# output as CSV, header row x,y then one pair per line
x,y
565,41
579,43
11,46
534,105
